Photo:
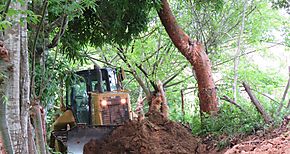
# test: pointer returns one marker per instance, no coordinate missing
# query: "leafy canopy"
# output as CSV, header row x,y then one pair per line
x,y
109,21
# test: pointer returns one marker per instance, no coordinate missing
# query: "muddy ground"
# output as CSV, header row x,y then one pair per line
x,y
276,142
156,134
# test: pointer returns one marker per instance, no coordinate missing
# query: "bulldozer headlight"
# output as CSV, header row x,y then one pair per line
x,y
104,103
123,101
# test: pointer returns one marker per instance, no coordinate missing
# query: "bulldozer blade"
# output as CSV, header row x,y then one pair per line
x,y
82,134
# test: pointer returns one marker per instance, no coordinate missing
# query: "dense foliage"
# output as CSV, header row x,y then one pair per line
x,y
112,22
128,34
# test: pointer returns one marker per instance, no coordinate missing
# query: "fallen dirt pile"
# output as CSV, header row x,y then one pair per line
x,y
154,134
279,144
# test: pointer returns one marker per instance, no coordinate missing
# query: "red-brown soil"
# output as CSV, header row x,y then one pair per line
x,y
276,142
154,134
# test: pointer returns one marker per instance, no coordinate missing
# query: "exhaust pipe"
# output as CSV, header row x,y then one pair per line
x,y
99,78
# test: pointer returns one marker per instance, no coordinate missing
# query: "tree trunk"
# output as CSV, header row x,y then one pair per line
x,y
39,127
24,82
195,54
12,42
4,132
31,142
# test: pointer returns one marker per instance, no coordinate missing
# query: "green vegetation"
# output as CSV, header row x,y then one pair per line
x,y
75,35
152,50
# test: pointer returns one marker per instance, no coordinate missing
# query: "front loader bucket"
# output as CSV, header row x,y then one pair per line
x,y
80,135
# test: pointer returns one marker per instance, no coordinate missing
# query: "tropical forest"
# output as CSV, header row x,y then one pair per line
x,y
144,76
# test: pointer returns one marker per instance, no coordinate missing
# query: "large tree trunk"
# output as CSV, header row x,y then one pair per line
x,y
24,82
5,138
4,132
12,42
195,54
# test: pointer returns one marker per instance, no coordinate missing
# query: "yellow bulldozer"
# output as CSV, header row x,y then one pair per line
x,y
95,106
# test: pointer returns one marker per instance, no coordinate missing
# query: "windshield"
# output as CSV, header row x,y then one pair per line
x,y
81,100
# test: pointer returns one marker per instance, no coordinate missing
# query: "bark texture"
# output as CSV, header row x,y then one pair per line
x,y
196,55
164,105
257,104
5,139
38,123
31,142
24,81
12,42
284,94
17,101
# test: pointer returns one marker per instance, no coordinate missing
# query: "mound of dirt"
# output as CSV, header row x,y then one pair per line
x,y
154,134
279,144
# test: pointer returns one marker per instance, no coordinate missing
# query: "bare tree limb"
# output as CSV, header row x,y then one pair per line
x,y
226,98
148,34
4,13
258,105
182,102
147,76
176,83
45,4
153,54
174,76
284,94
57,22
139,110
164,105
138,79
266,95
43,85
238,53
95,59
159,59
57,37
113,59
243,54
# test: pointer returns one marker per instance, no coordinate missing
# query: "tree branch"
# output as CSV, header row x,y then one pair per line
x,y
159,59
176,83
147,76
34,47
138,79
104,62
148,34
238,53
259,107
284,94
57,37
57,22
4,13
173,76
243,54
153,54
226,98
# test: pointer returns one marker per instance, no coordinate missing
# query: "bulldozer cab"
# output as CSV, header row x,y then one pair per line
x,y
96,104
80,100
97,95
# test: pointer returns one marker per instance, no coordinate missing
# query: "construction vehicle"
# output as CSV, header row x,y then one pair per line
x,y
95,106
